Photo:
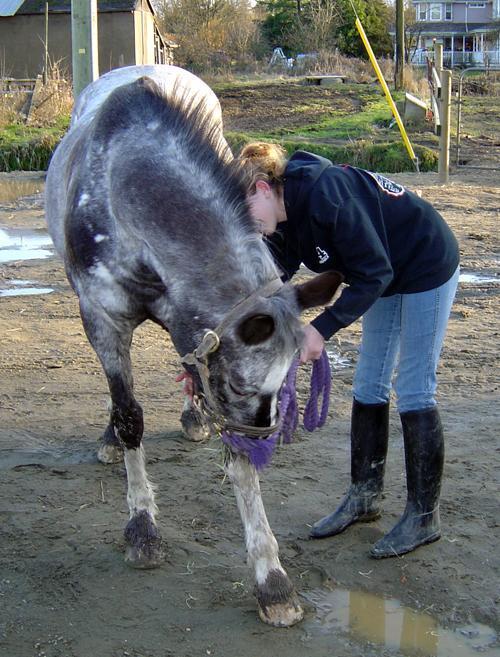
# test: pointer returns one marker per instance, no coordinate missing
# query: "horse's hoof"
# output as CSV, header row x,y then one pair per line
x,y
282,614
108,454
145,557
193,426
278,602
144,542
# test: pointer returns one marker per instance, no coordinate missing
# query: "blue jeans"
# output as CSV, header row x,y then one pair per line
x,y
412,326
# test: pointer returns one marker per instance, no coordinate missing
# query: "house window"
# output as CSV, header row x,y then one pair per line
x,y
422,11
435,12
448,14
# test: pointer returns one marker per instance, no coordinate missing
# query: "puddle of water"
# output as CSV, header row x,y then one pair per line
x,y
22,244
336,360
12,189
24,292
477,279
386,622
23,288
48,456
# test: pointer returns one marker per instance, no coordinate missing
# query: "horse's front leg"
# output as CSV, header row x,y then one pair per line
x,y
111,343
276,596
144,543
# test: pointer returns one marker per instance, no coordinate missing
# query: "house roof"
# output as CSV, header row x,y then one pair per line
x,y
64,6
441,29
9,7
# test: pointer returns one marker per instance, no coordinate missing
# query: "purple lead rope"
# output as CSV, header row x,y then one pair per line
x,y
320,387
260,451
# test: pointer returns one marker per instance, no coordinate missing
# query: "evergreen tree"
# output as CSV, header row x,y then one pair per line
x,y
280,18
375,16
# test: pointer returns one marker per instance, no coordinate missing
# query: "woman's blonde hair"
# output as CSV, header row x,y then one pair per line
x,y
261,160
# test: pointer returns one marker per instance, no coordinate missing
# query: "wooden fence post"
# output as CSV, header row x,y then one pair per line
x,y
46,48
400,48
84,44
438,57
444,137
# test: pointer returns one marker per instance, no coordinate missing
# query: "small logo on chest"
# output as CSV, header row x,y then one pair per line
x,y
322,255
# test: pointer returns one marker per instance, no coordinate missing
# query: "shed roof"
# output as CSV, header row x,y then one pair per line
x,y
64,6
9,7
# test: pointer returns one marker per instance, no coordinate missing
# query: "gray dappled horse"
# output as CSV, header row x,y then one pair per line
x,y
150,218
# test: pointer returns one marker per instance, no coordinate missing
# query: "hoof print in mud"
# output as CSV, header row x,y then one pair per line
x,y
144,543
278,602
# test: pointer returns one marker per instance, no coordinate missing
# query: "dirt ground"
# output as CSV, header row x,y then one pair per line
x,y
65,590
275,105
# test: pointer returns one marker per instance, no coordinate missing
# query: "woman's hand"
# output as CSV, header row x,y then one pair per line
x,y
312,346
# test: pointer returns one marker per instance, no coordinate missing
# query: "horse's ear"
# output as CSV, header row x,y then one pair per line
x,y
319,290
256,329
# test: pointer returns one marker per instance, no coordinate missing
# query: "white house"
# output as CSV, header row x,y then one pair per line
x,y
468,30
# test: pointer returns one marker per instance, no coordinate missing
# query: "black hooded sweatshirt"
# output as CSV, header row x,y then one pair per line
x,y
383,238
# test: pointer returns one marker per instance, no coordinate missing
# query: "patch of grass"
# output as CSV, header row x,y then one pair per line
x,y
342,125
360,137
337,121
387,157
220,85
479,116
28,148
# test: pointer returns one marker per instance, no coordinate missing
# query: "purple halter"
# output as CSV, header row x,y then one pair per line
x,y
260,451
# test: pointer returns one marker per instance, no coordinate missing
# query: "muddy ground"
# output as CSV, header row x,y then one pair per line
x,y
64,588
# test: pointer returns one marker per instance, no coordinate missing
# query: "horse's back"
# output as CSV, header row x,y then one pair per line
x,y
74,164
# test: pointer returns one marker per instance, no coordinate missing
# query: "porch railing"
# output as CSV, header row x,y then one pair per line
x,y
458,58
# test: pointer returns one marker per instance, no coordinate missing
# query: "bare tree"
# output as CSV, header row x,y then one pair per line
x,y
211,30
413,30
314,28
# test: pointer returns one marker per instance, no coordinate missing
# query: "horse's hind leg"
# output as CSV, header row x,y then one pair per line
x,y
111,343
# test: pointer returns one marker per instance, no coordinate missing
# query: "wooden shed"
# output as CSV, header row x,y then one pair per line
x,y
128,33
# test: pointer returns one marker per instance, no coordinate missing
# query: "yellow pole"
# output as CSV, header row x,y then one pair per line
x,y
387,92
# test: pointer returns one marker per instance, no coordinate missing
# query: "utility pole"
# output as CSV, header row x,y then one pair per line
x,y
444,137
46,49
400,45
84,44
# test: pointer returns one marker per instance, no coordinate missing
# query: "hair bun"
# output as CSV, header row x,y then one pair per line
x,y
267,160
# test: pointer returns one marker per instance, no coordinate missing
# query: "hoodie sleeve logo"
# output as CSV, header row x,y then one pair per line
x,y
322,255
386,185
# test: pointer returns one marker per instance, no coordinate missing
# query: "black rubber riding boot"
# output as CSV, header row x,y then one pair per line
x,y
424,456
369,437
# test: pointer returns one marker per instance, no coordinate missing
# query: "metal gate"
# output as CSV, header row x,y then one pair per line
x,y
488,160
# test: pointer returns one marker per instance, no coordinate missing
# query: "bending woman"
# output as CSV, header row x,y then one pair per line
x,y
400,262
